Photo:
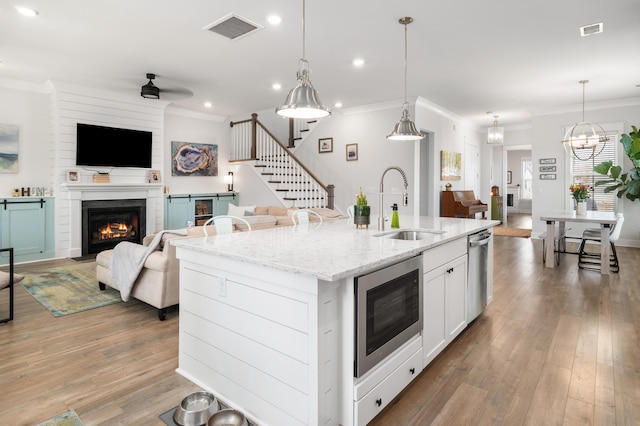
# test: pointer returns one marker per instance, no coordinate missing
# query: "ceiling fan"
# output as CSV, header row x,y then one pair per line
x,y
151,91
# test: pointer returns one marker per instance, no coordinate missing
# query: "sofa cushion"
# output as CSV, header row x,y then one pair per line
x,y
155,261
239,210
277,211
261,210
5,278
256,222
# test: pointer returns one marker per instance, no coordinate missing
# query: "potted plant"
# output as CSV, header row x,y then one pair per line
x,y
627,184
361,211
580,193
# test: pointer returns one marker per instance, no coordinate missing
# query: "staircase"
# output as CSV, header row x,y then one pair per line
x,y
282,172
298,131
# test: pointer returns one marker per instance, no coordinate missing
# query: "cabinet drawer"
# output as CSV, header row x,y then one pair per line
x,y
375,401
445,253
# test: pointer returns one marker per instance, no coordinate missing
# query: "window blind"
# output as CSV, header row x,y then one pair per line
x,y
582,172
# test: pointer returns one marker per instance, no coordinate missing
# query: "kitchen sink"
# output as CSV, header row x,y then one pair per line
x,y
410,234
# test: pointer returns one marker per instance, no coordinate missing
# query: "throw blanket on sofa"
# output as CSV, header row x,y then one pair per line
x,y
128,259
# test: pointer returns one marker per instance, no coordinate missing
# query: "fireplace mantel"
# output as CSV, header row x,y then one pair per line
x,y
75,193
107,187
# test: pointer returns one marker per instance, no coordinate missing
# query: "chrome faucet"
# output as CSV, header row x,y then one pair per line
x,y
405,195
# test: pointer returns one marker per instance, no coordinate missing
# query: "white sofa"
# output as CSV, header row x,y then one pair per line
x,y
158,283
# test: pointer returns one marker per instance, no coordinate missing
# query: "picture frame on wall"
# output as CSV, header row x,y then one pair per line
x,y
548,176
450,165
154,176
547,169
509,177
547,161
73,176
325,145
352,152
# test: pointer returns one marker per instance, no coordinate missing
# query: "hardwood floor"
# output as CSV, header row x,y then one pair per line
x,y
555,346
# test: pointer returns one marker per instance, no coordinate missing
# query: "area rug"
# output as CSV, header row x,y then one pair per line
x,y
70,418
511,232
69,289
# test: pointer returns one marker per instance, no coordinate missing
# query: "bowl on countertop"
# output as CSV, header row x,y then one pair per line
x,y
196,409
228,417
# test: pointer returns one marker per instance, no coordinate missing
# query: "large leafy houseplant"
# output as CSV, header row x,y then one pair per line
x,y
625,183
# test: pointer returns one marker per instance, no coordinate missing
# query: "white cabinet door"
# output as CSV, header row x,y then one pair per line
x,y
445,308
434,336
456,297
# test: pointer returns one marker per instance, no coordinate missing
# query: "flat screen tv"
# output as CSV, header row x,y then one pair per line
x,y
100,146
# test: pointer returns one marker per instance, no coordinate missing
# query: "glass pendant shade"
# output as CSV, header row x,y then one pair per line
x,y
584,140
404,129
303,101
495,134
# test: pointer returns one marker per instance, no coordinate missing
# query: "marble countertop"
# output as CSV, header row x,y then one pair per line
x,y
332,250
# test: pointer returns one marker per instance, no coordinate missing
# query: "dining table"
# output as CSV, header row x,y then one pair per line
x,y
605,219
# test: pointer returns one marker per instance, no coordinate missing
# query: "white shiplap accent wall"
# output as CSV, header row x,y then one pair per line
x,y
70,105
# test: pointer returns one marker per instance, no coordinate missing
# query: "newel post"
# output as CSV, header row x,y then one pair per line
x,y
254,134
292,143
330,196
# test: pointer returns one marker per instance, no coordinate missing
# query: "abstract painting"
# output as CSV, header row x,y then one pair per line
x,y
193,159
450,165
9,136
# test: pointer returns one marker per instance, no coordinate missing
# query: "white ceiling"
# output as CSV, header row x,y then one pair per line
x,y
514,58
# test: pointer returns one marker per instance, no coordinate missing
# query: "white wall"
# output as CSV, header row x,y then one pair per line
x,y
200,129
30,111
547,131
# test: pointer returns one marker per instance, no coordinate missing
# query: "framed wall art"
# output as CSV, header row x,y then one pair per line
x,y
73,176
352,152
548,176
193,159
547,169
325,145
509,177
154,176
450,165
547,161
9,137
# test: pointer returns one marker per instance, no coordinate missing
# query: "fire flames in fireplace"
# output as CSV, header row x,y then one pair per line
x,y
116,231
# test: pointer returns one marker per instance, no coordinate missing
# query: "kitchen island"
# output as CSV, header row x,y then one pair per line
x,y
267,317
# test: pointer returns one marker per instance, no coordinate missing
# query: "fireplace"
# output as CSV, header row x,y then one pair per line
x,y
105,223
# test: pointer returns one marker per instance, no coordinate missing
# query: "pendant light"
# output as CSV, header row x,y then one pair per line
x,y
404,129
582,140
495,135
303,100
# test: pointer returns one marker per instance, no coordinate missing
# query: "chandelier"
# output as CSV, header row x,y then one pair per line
x,y
583,140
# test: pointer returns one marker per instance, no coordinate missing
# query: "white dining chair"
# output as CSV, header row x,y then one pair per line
x,y
224,224
588,260
302,216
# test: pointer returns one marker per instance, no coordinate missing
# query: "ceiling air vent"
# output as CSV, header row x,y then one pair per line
x,y
588,30
233,27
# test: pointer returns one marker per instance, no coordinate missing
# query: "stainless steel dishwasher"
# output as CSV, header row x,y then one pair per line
x,y
478,258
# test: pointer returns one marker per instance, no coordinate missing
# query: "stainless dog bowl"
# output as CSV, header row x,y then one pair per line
x,y
195,409
228,417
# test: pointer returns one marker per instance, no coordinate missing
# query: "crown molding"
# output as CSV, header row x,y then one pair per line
x,y
194,114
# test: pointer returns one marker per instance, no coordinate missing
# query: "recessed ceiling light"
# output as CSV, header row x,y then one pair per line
x,y
338,105
358,62
27,11
276,86
208,104
274,19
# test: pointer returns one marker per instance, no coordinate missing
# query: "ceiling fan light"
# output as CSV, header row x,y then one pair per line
x,y
405,130
150,90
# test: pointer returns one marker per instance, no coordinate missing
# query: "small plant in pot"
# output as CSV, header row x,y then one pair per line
x,y
628,183
361,211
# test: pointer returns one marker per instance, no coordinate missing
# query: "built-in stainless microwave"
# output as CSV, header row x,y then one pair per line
x,y
388,311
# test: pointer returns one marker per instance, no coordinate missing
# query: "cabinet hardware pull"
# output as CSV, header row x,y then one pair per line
x,y
412,370
378,402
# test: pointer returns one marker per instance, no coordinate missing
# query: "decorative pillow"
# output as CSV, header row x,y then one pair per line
x,y
5,277
248,213
239,210
262,210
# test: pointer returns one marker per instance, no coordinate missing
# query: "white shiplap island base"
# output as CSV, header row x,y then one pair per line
x,y
267,318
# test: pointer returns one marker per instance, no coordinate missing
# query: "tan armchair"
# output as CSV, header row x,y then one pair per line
x,y
158,283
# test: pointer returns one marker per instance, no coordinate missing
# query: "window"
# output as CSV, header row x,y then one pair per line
x,y
582,172
527,178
